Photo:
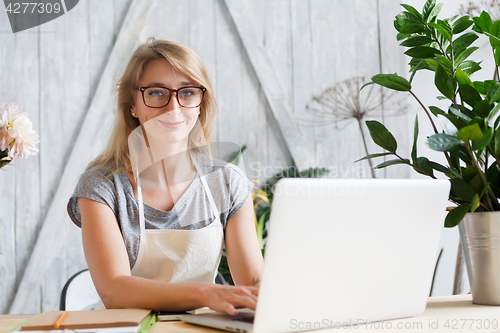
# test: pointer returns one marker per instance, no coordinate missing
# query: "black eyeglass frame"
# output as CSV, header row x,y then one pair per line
x,y
172,91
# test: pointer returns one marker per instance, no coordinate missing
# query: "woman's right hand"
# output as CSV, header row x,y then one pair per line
x,y
223,298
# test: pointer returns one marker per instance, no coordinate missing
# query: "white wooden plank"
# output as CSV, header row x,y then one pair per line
x,y
368,64
270,84
323,57
348,136
25,77
174,19
278,44
78,92
230,69
393,61
90,141
65,55
7,178
202,34
255,108
121,9
19,202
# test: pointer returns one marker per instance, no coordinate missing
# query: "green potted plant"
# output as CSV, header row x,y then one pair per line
x,y
469,135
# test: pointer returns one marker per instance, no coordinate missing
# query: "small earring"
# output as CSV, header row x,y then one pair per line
x,y
133,114
201,140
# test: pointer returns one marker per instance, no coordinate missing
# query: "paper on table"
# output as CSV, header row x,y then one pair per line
x,y
131,329
88,319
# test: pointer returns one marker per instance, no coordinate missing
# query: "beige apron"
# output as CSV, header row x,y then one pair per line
x,y
177,256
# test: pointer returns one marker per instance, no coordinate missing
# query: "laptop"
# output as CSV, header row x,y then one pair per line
x,y
344,252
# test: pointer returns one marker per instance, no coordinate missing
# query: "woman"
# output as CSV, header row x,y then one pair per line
x,y
158,245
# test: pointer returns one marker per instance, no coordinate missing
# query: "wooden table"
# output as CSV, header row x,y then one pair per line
x,y
443,314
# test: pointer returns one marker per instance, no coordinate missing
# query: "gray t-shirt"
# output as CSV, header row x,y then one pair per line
x,y
229,187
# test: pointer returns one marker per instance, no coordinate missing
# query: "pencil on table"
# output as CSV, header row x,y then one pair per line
x,y
60,320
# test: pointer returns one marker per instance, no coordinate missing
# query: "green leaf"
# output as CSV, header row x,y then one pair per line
x,y
493,178
469,95
373,156
463,42
405,18
461,153
448,126
443,142
463,78
474,204
464,55
494,40
366,84
484,141
424,164
479,86
392,162
415,137
443,29
497,122
482,108
412,11
445,61
422,52
443,83
459,123
471,132
483,22
401,36
260,229
416,41
494,112
428,7
443,169
456,215
469,67
495,31
461,24
411,28
496,144
461,191
454,110
494,92
381,136
392,81
435,110
481,122
435,12
421,65
433,64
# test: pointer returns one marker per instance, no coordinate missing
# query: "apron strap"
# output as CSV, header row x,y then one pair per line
x,y
207,189
142,222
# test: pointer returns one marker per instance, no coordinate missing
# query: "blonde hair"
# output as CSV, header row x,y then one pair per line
x,y
183,59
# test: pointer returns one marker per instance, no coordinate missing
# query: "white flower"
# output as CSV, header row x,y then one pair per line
x,y
16,132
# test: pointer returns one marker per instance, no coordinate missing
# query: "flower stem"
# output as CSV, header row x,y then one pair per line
x,y
426,112
416,167
366,147
492,205
433,126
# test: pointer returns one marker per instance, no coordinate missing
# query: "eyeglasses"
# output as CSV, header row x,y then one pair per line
x,y
158,97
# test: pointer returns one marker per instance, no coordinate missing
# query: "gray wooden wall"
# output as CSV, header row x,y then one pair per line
x,y
63,73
